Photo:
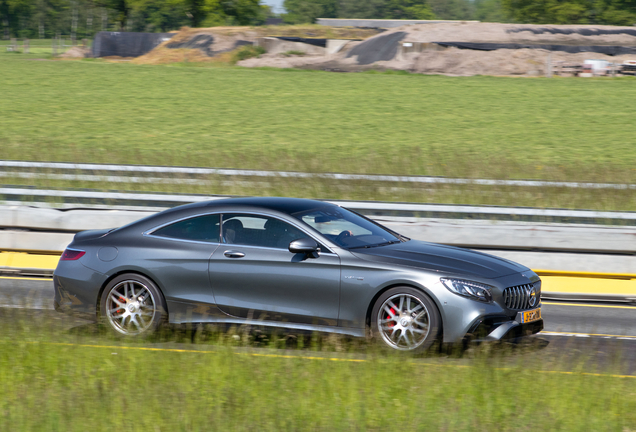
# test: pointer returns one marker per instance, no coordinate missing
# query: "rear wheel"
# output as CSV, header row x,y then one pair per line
x,y
405,319
132,305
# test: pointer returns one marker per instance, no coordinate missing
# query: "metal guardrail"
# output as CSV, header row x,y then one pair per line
x,y
32,237
94,172
159,201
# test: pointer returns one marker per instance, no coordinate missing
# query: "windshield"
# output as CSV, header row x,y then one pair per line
x,y
346,228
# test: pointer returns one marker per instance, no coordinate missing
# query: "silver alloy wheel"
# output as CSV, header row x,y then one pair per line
x,y
403,321
130,307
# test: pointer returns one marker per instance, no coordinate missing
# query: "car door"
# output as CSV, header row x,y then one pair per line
x,y
253,274
177,255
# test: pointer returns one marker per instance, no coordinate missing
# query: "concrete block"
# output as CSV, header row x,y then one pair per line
x,y
378,23
69,220
334,46
517,235
278,46
34,241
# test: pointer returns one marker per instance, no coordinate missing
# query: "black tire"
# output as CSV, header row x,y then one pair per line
x,y
132,305
418,319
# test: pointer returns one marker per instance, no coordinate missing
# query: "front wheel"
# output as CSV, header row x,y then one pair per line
x,y
405,319
132,305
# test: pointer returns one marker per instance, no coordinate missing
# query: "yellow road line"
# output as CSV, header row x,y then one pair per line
x,y
547,332
197,351
571,284
47,279
315,358
587,305
554,281
539,371
20,260
583,274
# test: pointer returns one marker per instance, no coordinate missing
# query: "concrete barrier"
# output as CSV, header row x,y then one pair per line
x,y
554,247
378,23
49,219
277,46
334,46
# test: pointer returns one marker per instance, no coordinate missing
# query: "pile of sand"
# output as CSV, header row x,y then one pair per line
x,y
210,44
519,33
383,51
76,52
531,62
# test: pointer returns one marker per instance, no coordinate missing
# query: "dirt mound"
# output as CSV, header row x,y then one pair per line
x,y
211,44
529,62
379,48
76,52
489,49
521,34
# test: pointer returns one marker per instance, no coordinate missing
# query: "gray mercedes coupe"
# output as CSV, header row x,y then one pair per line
x,y
293,263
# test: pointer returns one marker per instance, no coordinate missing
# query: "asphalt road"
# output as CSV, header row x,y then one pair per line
x,y
597,331
561,318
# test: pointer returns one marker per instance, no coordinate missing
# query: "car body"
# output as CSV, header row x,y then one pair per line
x,y
293,263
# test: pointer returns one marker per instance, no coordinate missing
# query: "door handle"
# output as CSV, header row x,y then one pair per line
x,y
233,254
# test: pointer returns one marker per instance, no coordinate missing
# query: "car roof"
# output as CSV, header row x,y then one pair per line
x,y
279,204
288,206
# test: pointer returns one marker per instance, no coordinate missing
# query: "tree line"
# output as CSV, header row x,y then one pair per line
x,y
611,12
83,18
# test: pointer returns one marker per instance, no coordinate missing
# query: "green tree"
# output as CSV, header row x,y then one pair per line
x,y
408,9
233,12
244,12
158,15
306,11
490,11
369,9
453,9
616,12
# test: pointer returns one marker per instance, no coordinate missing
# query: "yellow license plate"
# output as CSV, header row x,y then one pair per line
x,y
531,315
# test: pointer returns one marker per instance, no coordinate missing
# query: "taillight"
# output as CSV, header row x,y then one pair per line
x,y
72,255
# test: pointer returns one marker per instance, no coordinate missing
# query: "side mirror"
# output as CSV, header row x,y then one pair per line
x,y
303,245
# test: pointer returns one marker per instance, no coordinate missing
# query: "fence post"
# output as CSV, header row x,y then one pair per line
x,y
54,46
13,46
25,46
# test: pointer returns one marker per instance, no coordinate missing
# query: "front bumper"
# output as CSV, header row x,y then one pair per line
x,y
497,328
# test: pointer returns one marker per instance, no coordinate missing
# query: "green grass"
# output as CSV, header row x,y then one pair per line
x,y
558,129
60,380
37,47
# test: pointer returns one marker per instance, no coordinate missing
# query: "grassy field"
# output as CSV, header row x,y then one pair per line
x,y
478,127
61,380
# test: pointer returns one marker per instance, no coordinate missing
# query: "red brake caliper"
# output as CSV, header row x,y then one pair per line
x,y
123,300
388,316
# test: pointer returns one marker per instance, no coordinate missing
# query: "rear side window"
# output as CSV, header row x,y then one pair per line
x,y
201,228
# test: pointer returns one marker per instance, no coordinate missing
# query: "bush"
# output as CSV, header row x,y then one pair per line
x,y
247,51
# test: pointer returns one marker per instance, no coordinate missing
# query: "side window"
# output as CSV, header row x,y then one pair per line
x,y
263,231
201,228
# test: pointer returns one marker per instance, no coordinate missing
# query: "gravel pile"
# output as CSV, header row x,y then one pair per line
x,y
383,51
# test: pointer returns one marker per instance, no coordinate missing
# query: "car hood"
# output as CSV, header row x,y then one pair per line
x,y
436,257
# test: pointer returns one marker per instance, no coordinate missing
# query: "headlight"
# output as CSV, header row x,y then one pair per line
x,y
473,290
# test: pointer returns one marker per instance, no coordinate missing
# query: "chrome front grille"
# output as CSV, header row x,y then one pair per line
x,y
519,297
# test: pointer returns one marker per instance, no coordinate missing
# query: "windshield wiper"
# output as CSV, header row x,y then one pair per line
x,y
376,245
